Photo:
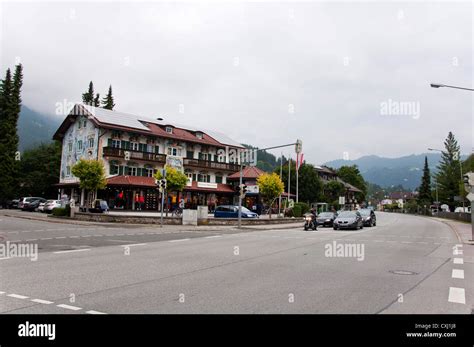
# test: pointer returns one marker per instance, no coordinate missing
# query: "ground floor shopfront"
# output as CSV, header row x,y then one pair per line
x,y
141,194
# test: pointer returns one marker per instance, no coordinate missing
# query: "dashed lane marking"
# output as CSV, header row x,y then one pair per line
x,y
17,296
457,295
73,250
458,261
94,312
41,301
69,307
179,240
458,273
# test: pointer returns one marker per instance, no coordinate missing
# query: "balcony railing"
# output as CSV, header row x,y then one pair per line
x,y
210,164
120,153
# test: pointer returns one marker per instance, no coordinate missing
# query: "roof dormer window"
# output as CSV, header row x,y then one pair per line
x,y
199,135
169,130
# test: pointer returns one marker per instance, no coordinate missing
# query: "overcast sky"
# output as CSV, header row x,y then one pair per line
x,y
331,74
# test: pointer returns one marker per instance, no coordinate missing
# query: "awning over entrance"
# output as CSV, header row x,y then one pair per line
x,y
132,181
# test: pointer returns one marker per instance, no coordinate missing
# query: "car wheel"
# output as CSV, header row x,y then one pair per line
x,y
335,228
305,228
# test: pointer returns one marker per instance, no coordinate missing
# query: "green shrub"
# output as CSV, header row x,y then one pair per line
x,y
60,211
296,211
304,207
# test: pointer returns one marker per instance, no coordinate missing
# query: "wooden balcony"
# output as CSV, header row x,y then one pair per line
x,y
198,163
134,155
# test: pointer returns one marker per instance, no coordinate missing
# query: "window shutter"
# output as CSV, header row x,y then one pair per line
x,y
122,144
120,170
109,143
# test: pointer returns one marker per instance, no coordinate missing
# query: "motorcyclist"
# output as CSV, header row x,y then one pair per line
x,y
314,214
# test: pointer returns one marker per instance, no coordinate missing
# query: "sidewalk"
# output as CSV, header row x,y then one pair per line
x,y
462,230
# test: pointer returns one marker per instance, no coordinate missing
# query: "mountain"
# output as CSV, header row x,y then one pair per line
x,y
385,172
35,128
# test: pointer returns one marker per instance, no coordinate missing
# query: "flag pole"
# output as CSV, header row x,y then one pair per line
x,y
281,175
289,176
297,174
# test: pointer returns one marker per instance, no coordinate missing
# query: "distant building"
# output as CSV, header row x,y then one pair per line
x,y
133,148
327,175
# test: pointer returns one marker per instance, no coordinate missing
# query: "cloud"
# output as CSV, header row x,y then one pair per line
x,y
264,73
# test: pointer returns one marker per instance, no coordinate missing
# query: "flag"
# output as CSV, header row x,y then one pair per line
x,y
299,160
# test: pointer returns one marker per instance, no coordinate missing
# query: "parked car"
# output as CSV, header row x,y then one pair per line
x,y
99,206
463,209
368,217
51,205
326,219
22,201
31,204
232,211
14,203
348,220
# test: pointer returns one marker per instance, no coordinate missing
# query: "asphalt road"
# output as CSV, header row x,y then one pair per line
x,y
406,264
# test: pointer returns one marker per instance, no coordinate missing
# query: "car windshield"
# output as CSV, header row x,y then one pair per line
x,y
326,215
246,210
347,214
364,212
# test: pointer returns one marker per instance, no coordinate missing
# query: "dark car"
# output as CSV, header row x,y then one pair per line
x,y
99,206
14,203
232,211
31,204
326,219
348,220
368,217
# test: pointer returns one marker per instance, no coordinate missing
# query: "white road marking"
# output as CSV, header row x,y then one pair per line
x,y
17,296
457,295
407,242
28,240
179,240
457,252
95,312
40,301
69,307
74,237
458,260
134,244
459,245
46,238
212,237
458,273
5,258
73,250
60,237
1,293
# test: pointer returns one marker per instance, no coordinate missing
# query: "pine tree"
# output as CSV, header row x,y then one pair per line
x,y
448,175
88,97
10,106
97,100
108,100
424,191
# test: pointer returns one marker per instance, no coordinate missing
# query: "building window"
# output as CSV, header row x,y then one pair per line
x,y
68,170
114,169
203,177
79,145
169,130
132,171
91,142
204,156
85,124
150,172
199,135
174,151
189,154
134,146
115,143
218,178
69,145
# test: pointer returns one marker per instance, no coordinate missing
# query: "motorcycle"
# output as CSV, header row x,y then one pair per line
x,y
310,222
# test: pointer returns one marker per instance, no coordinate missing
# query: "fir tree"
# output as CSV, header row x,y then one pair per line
x,y
88,97
108,100
424,191
97,100
448,176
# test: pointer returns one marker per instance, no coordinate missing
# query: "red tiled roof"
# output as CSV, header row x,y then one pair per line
x,y
183,135
221,188
248,172
138,181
